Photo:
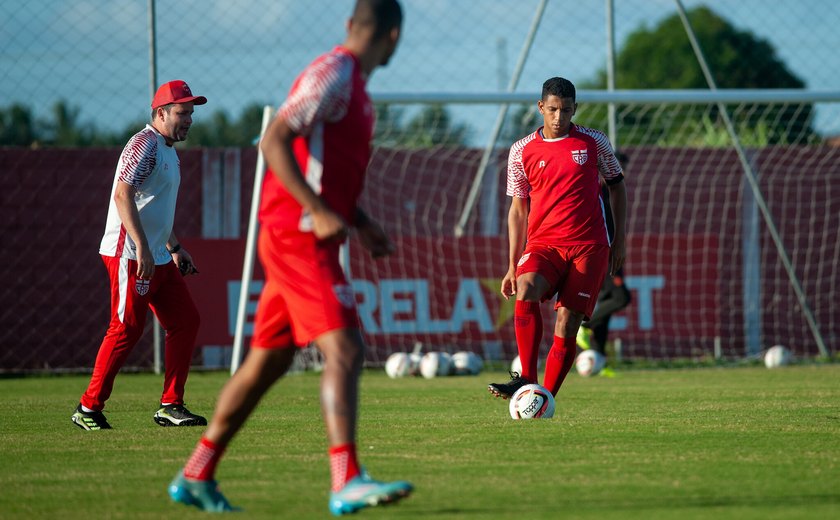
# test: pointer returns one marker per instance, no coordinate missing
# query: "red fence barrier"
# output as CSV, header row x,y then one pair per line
x,y
686,264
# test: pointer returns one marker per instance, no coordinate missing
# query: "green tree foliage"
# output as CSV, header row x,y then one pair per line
x,y
662,58
521,121
17,126
217,129
432,126
64,128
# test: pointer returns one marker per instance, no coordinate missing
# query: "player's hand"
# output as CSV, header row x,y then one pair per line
x,y
145,263
328,225
617,255
183,259
374,239
509,284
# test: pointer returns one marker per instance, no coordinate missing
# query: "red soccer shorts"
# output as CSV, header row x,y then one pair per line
x,y
306,293
575,273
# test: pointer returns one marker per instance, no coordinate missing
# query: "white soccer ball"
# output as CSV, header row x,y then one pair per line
x,y
466,364
590,362
397,365
532,402
516,365
435,364
777,356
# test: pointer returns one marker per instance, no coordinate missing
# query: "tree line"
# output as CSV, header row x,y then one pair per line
x,y
660,57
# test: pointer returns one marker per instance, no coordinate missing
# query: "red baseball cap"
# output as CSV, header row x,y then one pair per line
x,y
175,91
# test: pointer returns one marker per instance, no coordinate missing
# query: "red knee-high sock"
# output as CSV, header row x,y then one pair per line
x,y
527,324
561,357
343,464
202,463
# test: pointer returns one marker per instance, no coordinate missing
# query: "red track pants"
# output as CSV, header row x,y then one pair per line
x,y
168,297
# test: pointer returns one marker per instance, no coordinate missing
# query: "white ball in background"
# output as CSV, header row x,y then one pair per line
x,y
445,367
397,365
434,364
590,363
466,363
777,356
414,362
516,365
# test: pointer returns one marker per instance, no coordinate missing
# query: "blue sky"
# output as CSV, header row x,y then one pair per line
x,y
94,53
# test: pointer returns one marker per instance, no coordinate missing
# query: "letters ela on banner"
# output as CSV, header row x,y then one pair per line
x,y
457,299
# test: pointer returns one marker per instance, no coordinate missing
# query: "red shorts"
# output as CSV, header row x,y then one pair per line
x,y
306,293
575,273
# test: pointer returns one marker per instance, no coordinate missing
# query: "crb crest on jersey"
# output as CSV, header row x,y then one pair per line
x,y
142,286
580,156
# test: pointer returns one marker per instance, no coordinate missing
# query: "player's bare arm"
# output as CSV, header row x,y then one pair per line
x,y
618,200
182,258
276,147
372,236
130,217
517,229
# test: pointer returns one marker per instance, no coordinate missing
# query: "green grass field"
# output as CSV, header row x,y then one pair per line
x,y
695,443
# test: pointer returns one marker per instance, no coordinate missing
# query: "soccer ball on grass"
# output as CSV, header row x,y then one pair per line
x,y
777,356
516,365
532,402
590,362
466,364
435,364
398,364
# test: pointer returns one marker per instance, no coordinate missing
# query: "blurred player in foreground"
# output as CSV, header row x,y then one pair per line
x,y
146,263
614,294
317,148
558,242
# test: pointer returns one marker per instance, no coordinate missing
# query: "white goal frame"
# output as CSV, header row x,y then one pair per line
x,y
587,96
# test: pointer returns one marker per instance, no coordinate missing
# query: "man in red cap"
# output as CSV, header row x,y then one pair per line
x,y
146,262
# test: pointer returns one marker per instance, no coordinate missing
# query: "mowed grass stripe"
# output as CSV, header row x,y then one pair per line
x,y
689,443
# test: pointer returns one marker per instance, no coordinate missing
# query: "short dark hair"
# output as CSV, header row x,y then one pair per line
x,y
382,15
167,108
560,87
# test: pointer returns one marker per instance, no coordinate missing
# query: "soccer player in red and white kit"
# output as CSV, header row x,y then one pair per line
x,y
317,149
558,243
146,263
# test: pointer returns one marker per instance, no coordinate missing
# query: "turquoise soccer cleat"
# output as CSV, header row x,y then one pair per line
x,y
362,491
203,494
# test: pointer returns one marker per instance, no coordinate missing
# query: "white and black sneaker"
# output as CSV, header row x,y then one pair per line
x,y
89,420
178,415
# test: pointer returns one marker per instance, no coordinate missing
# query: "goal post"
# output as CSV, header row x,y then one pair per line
x,y
250,248
674,137
708,279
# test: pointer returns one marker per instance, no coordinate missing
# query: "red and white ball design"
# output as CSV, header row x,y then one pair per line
x,y
532,402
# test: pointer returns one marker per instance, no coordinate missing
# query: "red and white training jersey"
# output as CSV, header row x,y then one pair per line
x,y
329,108
560,176
153,168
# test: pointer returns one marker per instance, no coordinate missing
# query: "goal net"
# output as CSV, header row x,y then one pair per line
x,y
706,277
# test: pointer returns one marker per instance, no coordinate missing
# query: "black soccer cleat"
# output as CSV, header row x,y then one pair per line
x,y
505,390
89,420
178,415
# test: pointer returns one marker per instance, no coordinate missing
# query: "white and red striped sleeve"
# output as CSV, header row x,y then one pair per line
x,y
138,158
608,165
517,181
321,94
